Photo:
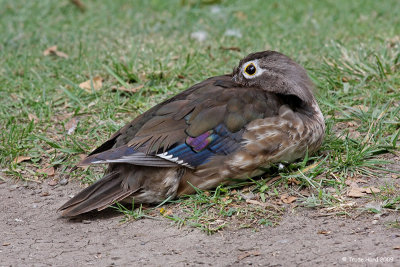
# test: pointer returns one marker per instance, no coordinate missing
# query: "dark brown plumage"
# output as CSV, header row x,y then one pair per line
x,y
217,131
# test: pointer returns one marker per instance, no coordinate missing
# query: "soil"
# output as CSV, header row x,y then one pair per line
x,y
34,234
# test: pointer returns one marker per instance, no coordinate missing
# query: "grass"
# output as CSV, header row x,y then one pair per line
x,y
131,214
395,224
351,50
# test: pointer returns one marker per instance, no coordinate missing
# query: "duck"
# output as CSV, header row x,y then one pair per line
x,y
222,130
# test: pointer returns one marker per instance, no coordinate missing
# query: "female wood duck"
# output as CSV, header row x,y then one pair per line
x,y
223,129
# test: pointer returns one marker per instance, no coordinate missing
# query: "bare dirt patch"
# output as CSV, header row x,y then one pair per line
x,y
33,234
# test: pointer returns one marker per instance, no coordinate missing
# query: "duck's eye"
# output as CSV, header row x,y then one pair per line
x,y
250,69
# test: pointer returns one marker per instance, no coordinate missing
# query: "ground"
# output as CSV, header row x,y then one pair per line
x,y
33,230
72,72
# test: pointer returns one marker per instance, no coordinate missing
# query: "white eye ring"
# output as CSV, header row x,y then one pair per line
x,y
258,72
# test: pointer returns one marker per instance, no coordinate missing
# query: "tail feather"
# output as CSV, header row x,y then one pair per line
x,y
100,195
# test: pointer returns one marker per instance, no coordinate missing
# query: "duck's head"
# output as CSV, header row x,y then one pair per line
x,y
275,73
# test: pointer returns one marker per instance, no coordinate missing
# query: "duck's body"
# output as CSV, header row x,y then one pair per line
x,y
218,131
